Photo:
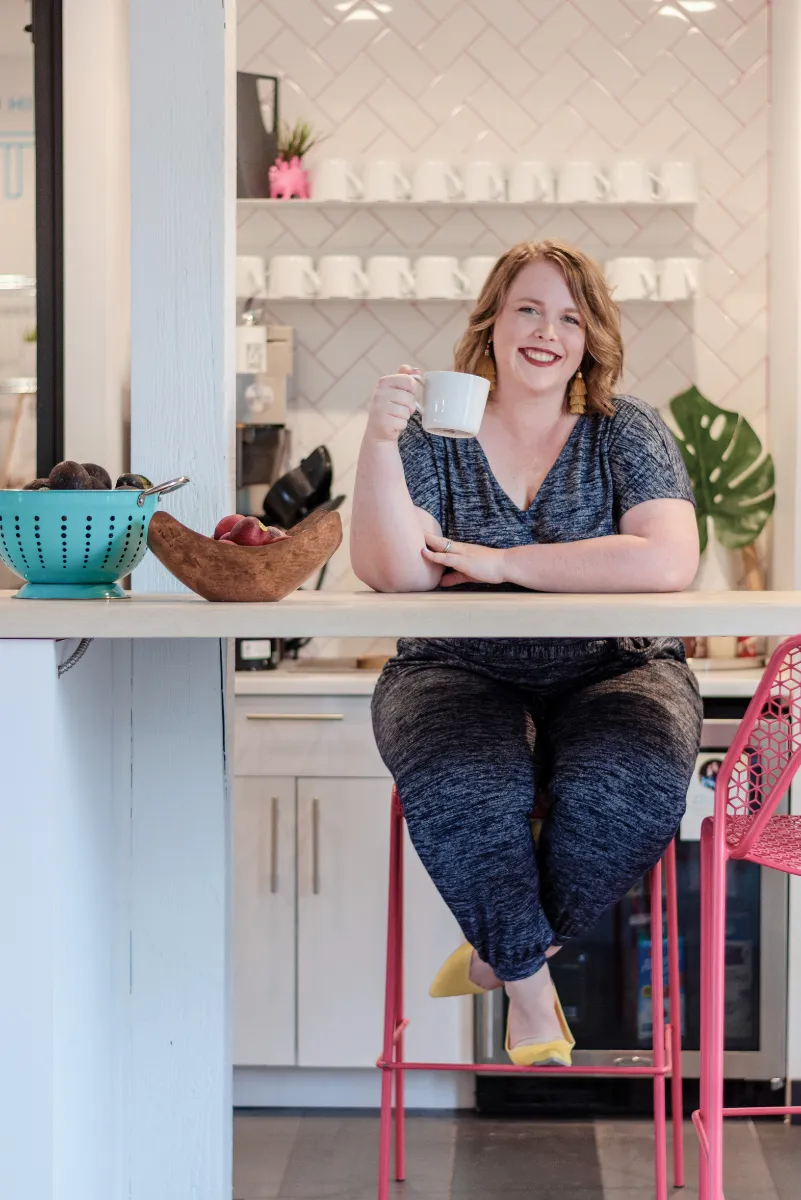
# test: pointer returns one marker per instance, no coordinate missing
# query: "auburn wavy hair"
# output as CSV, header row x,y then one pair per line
x,y
602,364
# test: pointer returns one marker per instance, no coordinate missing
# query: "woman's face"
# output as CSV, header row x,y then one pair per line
x,y
539,335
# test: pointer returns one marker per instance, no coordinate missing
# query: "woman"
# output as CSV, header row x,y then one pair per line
x,y
567,488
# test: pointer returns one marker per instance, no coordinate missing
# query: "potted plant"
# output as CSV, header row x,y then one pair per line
x,y
288,178
733,480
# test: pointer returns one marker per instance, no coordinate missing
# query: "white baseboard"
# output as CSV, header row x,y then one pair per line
x,y
301,1087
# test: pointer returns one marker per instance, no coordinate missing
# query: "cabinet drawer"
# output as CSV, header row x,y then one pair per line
x,y
305,735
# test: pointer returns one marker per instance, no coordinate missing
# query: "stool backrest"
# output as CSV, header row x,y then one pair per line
x,y
765,754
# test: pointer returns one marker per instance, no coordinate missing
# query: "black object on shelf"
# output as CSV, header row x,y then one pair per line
x,y
256,145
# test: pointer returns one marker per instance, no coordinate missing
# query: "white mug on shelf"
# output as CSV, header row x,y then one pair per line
x,y
251,277
483,182
582,183
452,402
436,181
385,180
532,183
335,179
292,277
632,278
678,183
439,277
389,277
633,182
678,278
342,277
476,269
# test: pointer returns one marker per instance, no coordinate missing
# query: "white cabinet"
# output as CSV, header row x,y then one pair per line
x,y
264,921
311,860
343,847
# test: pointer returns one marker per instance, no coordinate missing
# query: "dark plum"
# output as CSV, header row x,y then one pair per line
x,y
69,477
101,480
140,482
37,485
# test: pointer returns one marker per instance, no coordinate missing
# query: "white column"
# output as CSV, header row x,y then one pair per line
x,y
96,231
785,378
182,423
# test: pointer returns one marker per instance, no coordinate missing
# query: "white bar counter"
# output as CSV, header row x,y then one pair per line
x,y
115,862
416,614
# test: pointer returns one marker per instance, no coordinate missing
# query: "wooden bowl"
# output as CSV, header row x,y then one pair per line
x,y
225,571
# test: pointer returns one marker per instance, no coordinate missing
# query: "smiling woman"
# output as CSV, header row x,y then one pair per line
x,y
567,487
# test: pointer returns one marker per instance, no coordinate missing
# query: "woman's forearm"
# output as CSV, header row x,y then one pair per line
x,y
386,535
618,563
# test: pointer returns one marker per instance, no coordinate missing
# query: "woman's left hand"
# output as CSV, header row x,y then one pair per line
x,y
469,563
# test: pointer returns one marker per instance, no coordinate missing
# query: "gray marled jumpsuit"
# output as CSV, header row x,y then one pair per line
x,y
472,729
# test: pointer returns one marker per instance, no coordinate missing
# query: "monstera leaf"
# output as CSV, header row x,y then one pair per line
x,y
732,480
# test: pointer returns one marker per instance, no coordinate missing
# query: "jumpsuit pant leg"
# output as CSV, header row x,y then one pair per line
x,y
621,753
459,747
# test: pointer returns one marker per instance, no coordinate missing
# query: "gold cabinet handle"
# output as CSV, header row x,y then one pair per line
x,y
315,846
295,716
274,845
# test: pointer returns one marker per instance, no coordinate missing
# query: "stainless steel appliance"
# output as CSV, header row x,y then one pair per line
x,y
605,990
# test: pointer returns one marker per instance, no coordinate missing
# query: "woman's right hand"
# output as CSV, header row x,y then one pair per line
x,y
391,405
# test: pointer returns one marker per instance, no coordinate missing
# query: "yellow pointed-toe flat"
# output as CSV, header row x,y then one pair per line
x,y
453,977
556,1053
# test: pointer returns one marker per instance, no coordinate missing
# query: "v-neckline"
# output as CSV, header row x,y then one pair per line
x,y
502,490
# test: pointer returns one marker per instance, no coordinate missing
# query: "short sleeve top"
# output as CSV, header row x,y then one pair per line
x,y
608,465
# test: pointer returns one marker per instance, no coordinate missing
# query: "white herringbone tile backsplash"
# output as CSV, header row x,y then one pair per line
x,y
510,80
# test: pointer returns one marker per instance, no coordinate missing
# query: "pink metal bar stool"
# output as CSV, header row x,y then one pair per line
x,y
751,783
666,1037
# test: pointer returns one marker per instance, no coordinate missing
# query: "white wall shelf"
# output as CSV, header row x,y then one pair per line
x,y
254,205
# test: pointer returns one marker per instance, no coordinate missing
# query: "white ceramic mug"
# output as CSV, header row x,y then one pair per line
x,y
632,278
342,277
251,277
385,180
633,182
389,277
476,270
678,183
582,183
678,278
483,182
436,181
292,277
452,402
439,277
335,179
532,183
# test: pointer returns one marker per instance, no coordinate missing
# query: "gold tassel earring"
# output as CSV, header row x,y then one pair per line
x,y
577,399
487,369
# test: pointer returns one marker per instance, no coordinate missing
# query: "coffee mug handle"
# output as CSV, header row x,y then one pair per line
x,y
355,185
419,377
404,185
408,284
498,184
650,285
657,186
313,280
455,184
362,284
604,186
691,277
462,283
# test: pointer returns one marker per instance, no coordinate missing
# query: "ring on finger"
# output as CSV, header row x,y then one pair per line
x,y
448,545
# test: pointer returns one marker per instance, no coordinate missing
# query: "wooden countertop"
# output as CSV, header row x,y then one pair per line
x,y
427,614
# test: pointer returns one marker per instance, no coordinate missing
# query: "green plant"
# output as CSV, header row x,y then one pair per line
x,y
297,140
733,479
29,335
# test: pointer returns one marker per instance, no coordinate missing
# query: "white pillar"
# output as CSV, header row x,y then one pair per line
x,y
785,379
182,423
96,231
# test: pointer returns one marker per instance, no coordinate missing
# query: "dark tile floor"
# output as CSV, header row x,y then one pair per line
x,y
466,1157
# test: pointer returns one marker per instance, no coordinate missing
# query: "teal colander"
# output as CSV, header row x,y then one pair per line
x,y
76,545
